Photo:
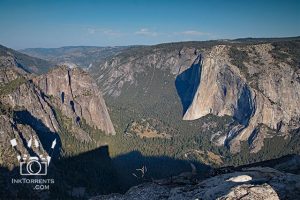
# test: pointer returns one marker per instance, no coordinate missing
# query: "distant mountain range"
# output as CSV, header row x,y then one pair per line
x,y
83,56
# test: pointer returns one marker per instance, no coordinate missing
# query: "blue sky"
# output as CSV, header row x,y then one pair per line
x,y
41,23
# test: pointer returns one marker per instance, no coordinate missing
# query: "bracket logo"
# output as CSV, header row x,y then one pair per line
x,y
33,165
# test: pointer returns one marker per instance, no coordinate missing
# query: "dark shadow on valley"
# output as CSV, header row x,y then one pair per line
x,y
188,82
94,172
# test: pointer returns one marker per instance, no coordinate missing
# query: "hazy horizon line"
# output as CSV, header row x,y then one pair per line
x,y
154,44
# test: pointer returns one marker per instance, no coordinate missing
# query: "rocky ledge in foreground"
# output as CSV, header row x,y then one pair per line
x,y
259,183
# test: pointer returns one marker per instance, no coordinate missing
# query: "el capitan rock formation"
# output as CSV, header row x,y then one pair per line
x,y
270,99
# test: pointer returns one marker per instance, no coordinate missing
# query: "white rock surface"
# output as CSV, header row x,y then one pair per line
x,y
258,183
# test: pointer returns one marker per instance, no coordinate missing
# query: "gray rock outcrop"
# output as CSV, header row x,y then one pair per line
x,y
258,183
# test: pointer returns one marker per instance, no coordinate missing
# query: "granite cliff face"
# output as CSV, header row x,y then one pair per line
x,y
79,96
270,99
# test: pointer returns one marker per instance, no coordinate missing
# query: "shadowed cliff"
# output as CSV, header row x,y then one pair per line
x,y
188,82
